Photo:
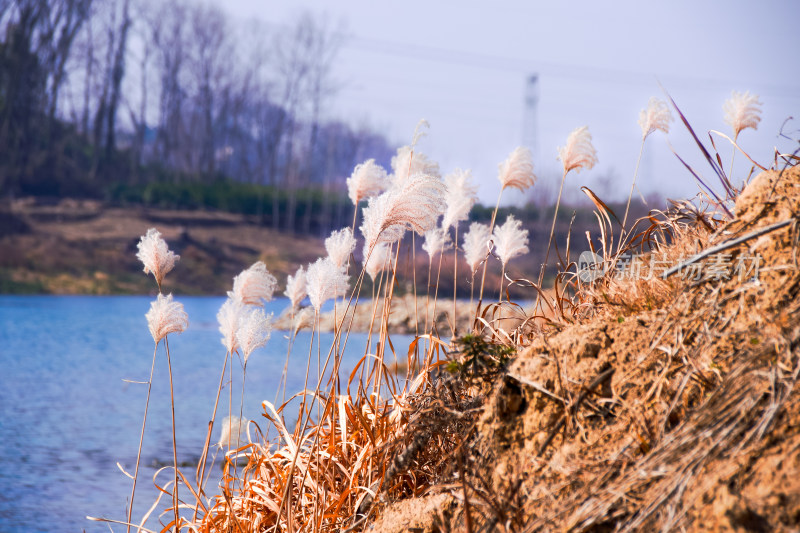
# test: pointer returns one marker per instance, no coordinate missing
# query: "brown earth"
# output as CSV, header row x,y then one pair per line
x,y
672,405
83,247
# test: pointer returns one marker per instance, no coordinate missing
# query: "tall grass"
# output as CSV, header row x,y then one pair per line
x,y
359,441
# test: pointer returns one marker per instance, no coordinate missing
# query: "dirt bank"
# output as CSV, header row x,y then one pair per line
x,y
671,405
84,247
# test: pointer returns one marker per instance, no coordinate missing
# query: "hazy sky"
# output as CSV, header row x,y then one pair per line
x,y
462,65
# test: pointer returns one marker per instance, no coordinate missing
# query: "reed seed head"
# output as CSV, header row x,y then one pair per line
x,y
255,328
155,255
415,204
510,240
325,281
340,245
166,316
408,163
579,152
367,180
475,244
517,170
656,117
254,285
437,241
233,431
378,260
229,317
461,195
296,287
742,110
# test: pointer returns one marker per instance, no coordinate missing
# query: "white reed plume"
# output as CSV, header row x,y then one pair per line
x,y
155,255
324,281
510,240
166,316
656,117
408,163
296,287
517,170
742,110
415,204
461,195
367,180
255,328
229,317
378,260
437,240
233,430
304,319
578,152
340,245
475,241
254,284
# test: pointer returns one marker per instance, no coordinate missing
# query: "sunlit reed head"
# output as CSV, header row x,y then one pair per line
x,y
475,244
510,240
367,180
461,195
229,317
340,245
437,240
296,287
378,260
255,328
578,152
254,285
656,117
517,170
742,110
155,255
166,316
416,204
233,431
408,163
324,281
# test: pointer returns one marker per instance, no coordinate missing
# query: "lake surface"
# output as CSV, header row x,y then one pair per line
x,y
68,416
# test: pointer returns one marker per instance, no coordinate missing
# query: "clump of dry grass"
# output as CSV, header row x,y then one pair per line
x,y
451,426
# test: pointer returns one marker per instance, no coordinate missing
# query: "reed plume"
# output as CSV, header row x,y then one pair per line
x,y
517,170
655,117
229,317
254,285
325,281
461,195
578,153
436,241
367,180
296,287
408,163
166,316
510,240
375,262
742,110
475,244
339,246
255,329
415,204
233,428
155,255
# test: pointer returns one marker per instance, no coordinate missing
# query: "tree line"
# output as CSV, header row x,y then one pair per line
x,y
172,102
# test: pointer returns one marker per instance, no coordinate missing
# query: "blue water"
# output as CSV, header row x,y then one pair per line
x,y
68,416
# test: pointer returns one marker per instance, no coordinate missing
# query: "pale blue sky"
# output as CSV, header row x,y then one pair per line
x,y
462,65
